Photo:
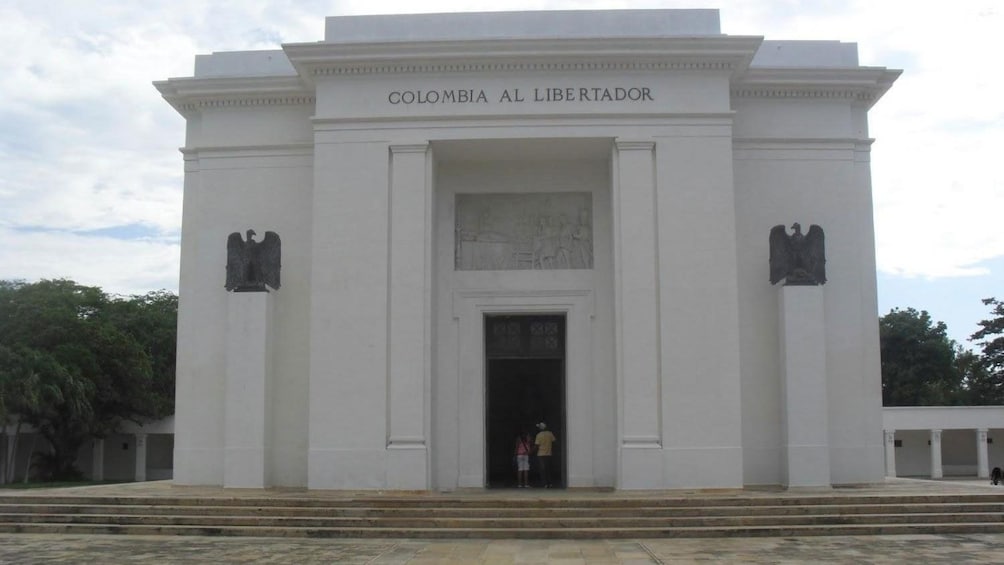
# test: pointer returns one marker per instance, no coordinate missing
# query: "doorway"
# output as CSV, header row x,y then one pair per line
x,y
525,385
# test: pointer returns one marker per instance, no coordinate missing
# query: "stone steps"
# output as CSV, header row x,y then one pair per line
x,y
581,522
509,533
474,512
519,516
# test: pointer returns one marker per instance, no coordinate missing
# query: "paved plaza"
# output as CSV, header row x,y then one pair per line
x,y
958,549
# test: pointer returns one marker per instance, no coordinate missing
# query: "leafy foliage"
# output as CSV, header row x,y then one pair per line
x,y
76,363
918,361
988,375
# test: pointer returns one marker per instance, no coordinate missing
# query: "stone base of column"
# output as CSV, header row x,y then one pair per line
x,y
805,423
140,470
937,472
890,453
249,319
407,467
98,460
982,455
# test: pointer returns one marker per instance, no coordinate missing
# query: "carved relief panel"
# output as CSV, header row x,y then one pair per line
x,y
542,230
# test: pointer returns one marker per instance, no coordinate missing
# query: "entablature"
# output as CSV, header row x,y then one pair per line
x,y
729,54
191,94
858,84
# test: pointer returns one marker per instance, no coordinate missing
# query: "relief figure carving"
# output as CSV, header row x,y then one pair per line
x,y
523,231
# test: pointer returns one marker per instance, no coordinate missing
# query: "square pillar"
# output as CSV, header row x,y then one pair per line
x,y
637,321
98,460
982,457
348,417
140,472
248,362
409,316
804,418
890,453
936,470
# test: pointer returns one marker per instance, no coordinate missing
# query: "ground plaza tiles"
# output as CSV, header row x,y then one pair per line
x,y
489,220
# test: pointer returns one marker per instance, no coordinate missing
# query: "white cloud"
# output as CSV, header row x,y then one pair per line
x,y
119,267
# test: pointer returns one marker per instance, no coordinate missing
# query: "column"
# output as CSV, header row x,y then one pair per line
x,y
982,457
248,362
98,460
409,316
637,319
804,418
10,458
140,475
890,453
936,471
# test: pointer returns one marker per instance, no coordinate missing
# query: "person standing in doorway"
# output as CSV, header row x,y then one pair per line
x,y
543,445
523,448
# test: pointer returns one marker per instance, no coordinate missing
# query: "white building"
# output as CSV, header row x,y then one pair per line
x,y
492,219
943,441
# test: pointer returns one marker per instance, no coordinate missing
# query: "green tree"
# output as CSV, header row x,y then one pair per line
x,y
988,379
79,363
918,361
978,388
152,321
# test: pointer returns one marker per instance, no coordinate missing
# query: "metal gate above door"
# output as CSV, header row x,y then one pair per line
x,y
525,336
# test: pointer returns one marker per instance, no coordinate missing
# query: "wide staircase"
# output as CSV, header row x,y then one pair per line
x,y
500,515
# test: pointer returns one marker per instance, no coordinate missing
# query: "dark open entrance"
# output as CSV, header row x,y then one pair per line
x,y
525,373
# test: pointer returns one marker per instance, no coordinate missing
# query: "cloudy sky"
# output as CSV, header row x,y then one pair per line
x,y
90,184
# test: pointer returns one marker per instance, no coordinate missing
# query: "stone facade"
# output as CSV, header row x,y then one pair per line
x,y
433,175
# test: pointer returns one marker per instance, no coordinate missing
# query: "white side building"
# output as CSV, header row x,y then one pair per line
x,y
492,219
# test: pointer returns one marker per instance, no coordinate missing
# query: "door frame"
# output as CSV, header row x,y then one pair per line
x,y
469,311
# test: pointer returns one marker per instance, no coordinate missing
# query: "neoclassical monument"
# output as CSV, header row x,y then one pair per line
x,y
492,220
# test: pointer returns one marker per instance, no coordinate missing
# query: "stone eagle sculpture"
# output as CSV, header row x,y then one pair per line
x,y
797,259
251,265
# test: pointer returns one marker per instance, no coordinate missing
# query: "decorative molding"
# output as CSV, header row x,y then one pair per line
x,y
543,300
786,142
278,150
723,53
628,145
559,119
406,442
855,84
795,92
517,67
641,442
196,93
409,148
244,101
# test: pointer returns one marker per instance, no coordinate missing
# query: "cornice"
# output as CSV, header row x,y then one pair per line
x,y
730,54
787,142
857,84
281,149
188,95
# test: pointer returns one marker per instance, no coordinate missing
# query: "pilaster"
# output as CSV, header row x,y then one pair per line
x,y
637,323
409,316
248,361
805,424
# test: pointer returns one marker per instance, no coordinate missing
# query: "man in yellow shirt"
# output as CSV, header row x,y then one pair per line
x,y
543,444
